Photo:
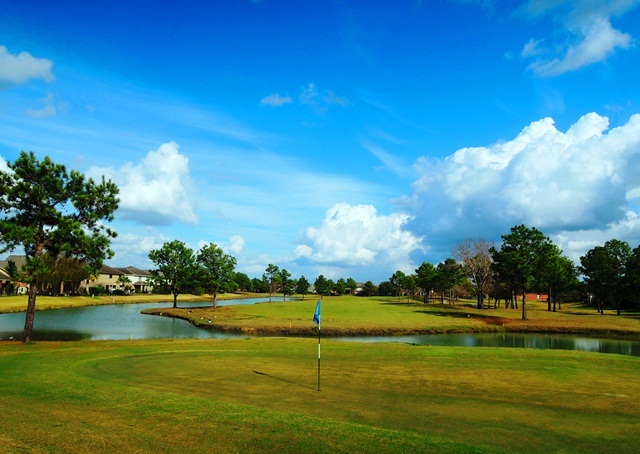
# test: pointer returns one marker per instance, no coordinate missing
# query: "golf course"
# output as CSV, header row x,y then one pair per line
x,y
260,394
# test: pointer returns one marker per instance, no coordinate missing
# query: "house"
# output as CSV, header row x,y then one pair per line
x,y
112,279
19,287
140,279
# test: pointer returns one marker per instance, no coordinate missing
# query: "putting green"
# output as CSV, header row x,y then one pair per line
x,y
260,395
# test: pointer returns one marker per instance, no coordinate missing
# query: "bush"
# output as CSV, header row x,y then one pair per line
x,y
97,290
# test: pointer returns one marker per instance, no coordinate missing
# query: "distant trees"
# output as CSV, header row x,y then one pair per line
x,y
475,257
175,267
448,275
426,278
605,273
243,282
322,286
215,271
302,286
286,284
397,281
520,257
272,277
369,289
352,285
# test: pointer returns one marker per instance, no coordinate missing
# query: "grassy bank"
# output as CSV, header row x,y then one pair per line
x,y
259,395
43,302
349,315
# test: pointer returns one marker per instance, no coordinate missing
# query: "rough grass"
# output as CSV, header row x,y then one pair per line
x,y
349,315
259,395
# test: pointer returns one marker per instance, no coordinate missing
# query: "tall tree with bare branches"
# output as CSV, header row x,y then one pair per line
x,y
475,257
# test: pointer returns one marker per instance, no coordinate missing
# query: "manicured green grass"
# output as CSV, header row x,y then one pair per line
x,y
259,395
349,315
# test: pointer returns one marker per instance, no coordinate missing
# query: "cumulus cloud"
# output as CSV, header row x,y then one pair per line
x,y
156,191
18,69
132,249
581,180
592,38
276,100
236,244
356,236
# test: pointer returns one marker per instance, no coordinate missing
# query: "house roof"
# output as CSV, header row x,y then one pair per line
x,y
19,260
110,270
133,271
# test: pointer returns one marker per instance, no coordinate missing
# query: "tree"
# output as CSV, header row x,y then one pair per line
x,y
46,209
216,271
425,277
632,274
243,281
341,286
176,266
352,285
272,277
448,275
259,285
397,282
386,289
604,269
556,274
369,289
409,285
302,286
322,286
475,257
519,258
286,283
12,272
124,281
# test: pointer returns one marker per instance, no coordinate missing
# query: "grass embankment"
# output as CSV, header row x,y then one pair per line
x,y
349,315
259,395
43,302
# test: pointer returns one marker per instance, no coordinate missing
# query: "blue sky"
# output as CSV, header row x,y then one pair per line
x,y
335,137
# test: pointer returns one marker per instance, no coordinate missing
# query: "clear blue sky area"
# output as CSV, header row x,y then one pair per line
x,y
344,138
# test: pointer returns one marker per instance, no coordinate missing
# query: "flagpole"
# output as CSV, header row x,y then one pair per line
x,y
316,320
318,356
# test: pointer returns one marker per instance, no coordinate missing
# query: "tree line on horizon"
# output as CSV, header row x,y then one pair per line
x,y
527,261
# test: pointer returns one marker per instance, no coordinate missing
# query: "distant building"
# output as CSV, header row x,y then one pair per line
x,y
18,287
110,278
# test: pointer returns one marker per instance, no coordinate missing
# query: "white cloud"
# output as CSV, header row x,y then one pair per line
x,y
276,100
580,180
132,249
356,236
156,191
236,244
592,38
19,69
4,167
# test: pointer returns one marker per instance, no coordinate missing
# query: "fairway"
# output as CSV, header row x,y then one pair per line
x,y
259,395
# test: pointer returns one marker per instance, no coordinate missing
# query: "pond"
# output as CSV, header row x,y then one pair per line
x,y
124,321
111,322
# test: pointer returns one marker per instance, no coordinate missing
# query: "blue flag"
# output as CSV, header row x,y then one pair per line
x,y
316,315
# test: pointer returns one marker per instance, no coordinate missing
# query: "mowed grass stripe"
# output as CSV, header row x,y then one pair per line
x,y
259,395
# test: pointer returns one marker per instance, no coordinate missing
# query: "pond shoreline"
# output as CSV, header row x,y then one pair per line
x,y
328,332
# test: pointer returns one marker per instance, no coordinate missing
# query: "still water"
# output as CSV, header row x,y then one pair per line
x,y
112,322
124,321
